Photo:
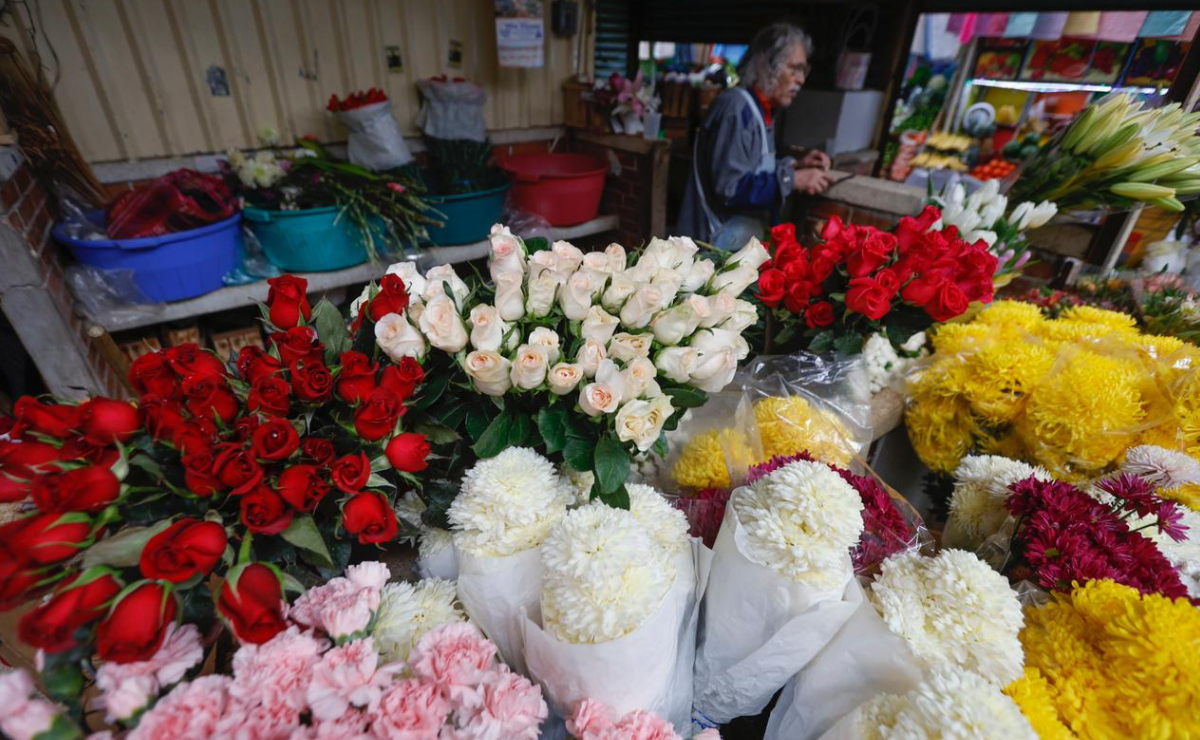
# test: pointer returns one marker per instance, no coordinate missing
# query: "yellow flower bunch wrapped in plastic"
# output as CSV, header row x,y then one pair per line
x,y
1111,663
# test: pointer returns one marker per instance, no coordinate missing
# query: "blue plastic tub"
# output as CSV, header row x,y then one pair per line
x,y
167,268
311,239
468,217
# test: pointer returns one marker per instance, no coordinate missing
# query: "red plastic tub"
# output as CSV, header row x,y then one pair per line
x,y
564,189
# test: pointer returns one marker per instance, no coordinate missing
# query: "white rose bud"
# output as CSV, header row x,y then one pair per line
x,y
413,282
736,280
529,366
575,298
487,328
489,371
641,422
441,279
442,326
698,276
641,307
672,325
744,316
596,262
589,357
659,253
541,261
599,325
721,306
638,377
598,398
363,298
685,249
397,338
508,253
711,340
415,310
609,375
509,300
616,258
569,256
628,347
547,338
677,363
564,378
753,254
667,282
619,289
542,291
714,370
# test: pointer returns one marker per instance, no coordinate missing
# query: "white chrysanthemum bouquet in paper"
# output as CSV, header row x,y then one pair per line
x,y
781,585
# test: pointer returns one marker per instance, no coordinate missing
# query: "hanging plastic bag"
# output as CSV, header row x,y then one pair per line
x,y
452,109
375,140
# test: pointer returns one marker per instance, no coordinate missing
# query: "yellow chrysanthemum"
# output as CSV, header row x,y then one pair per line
x,y
1188,495
1001,376
789,424
1012,313
941,431
954,338
702,462
1102,316
1160,347
1063,330
1032,694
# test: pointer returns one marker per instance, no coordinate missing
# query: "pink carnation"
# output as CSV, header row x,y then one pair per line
x,y
351,726
510,707
589,719
373,575
341,607
410,710
278,671
348,675
642,725
244,721
36,716
15,688
190,712
455,657
105,735
127,687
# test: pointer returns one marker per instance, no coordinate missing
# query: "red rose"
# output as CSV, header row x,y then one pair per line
x,y
252,600
288,301
862,262
369,516
254,363
275,439
18,580
786,254
196,432
392,298
52,625
208,396
376,418
46,538
921,290
26,454
136,625
888,279
243,428
949,301
53,420
822,267
163,416
236,468
357,379
298,343
797,270
819,314
350,472
187,548
152,373
264,511
311,380
198,471
798,295
87,489
270,394
319,450
771,285
408,451
402,378
302,487
103,421
833,229
867,297
190,359
979,263
783,233
78,448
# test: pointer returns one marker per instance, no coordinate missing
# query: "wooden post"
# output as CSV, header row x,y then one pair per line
x,y
906,28
660,157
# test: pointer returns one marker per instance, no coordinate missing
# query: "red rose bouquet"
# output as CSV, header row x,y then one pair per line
x,y
859,280
356,99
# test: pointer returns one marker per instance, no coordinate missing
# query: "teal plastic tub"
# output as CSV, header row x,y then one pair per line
x,y
467,217
312,239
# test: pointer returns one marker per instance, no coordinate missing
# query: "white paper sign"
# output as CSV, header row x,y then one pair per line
x,y
520,33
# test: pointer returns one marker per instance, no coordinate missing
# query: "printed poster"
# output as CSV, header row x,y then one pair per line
x,y
520,33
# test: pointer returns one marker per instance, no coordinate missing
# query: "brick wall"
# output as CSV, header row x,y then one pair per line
x,y
33,289
627,195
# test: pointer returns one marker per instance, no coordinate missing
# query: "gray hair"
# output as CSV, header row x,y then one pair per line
x,y
768,53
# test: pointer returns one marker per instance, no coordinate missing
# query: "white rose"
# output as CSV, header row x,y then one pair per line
x,y
744,316
641,422
659,253
641,307
714,370
442,326
564,378
736,280
397,338
667,282
599,325
529,366
548,339
685,251
677,363
638,378
357,304
489,371
541,261
711,340
439,278
672,325
753,254
575,298
414,312
596,261
569,256
487,328
721,306
698,276
508,253
542,290
413,282
616,258
609,375
619,289
598,398
589,357
509,300
628,347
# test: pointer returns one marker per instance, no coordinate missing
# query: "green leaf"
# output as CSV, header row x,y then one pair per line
x,y
618,499
495,438
331,328
438,434
537,244
431,390
686,397
849,344
64,682
518,434
476,422
579,454
380,464
611,465
822,342
303,533
62,728
148,464
900,325
552,423
123,549
120,467
376,481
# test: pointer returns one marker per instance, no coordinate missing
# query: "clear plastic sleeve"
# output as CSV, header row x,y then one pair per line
x,y
452,109
110,295
375,140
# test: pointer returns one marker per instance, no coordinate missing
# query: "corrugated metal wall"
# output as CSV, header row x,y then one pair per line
x,y
134,75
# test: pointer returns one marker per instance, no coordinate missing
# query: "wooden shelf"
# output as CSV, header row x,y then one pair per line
x,y
239,296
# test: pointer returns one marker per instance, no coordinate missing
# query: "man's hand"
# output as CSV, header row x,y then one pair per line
x,y
814,158
811,180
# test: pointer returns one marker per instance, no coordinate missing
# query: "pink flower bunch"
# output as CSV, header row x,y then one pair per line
x,y
127,687
592,720
23,716
704,512
1065,537
343,606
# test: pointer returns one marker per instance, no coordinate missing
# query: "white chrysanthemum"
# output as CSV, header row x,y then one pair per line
x,y
407,611
950,704
666,524
604,575
507,504
801,521
977,508
434,541
1162,467
952,610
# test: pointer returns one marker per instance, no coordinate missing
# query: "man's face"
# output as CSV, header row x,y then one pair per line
x,y
795,71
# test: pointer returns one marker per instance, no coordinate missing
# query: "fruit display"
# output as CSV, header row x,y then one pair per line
x,y
997,169
944,151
